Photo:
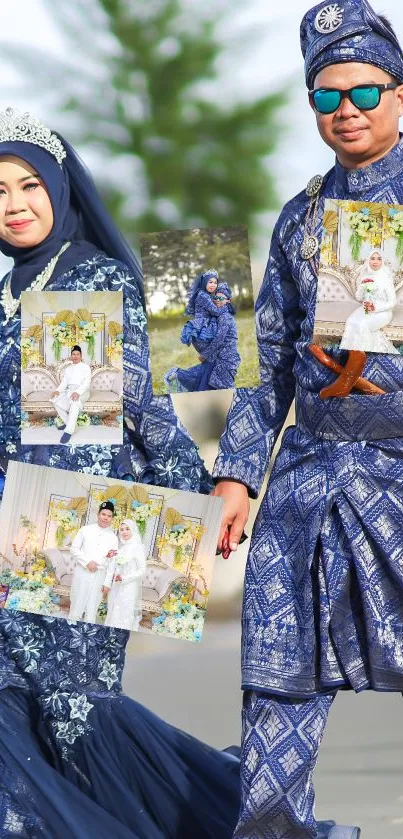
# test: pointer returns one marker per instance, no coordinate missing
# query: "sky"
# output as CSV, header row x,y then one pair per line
x,y
262,53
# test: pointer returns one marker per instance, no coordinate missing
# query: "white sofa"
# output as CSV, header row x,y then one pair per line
x,y
39,381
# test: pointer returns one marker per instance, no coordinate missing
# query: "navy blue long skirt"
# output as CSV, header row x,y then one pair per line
x,y
132,777
195,378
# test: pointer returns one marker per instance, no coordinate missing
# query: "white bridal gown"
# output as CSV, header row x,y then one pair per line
x,y
363,331
124,598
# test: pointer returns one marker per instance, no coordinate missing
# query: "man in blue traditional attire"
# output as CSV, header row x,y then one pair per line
x,y
323,602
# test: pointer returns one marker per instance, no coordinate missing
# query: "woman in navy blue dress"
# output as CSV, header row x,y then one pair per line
x,y
215,340
78,759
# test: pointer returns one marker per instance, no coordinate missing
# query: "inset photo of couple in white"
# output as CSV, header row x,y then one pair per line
x,y
360,283
72,368
200,309
112,552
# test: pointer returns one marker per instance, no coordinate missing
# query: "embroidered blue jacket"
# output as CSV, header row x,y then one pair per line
x,y
285,311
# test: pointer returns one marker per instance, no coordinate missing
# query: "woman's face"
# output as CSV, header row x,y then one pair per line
x,y
124,532
26,215
375,261
211,285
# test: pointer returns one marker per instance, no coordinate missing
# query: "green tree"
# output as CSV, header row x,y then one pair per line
x,y
172,259
134,87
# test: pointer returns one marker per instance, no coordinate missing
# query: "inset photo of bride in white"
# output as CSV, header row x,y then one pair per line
x,y
360,282
123,554
124,578
71,368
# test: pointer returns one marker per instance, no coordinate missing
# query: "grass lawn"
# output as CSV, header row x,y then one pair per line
x,y
167,351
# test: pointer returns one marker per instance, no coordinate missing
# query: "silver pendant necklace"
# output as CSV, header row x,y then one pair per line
x,y
310,242
10,304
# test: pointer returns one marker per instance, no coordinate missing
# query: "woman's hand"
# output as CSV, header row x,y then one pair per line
x,y
105,590
236,510
111,553
118,578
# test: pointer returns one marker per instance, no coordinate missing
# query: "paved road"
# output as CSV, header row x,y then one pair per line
x,y
359,779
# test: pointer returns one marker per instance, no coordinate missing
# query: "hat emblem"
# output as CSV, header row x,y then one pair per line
x,y
329,18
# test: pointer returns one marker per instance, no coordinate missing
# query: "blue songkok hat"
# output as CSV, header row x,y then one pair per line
x,y
224,288
350,30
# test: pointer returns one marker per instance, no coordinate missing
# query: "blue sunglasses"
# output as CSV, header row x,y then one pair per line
x,y
365,97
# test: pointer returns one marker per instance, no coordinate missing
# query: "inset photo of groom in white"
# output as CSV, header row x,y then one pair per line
x,y
72,393
91,549
72,368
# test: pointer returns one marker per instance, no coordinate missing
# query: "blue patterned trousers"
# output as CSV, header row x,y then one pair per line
x,y
280,743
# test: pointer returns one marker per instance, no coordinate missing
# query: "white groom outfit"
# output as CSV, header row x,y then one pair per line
x,y
76,379
92,543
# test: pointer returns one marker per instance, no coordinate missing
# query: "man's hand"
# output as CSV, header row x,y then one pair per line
x,y
54,394
201,358
74,396
111,553
105,590
92,566
236,510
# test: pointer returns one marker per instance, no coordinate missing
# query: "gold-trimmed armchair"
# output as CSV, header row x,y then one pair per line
x,y
157,585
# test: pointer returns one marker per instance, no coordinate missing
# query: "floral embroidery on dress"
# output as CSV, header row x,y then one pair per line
x,y
67,665
153,434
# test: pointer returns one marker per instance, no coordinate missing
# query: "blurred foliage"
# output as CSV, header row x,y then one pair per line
x,y
166,351
172,259
137,84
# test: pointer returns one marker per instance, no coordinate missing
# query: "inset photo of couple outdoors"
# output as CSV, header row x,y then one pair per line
x,y
200,309
118,553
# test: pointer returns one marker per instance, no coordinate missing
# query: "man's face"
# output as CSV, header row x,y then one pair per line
x,y
105,518
75,356
359,137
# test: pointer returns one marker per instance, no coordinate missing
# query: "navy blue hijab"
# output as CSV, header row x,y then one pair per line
x,y
79,216
199,284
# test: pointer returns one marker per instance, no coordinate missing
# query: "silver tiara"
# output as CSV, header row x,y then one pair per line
x,y
27,129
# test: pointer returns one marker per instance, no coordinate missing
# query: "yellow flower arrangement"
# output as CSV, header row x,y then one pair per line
x,y
29,351
61,328
86,329
180,535
67,517
115,349
394,228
